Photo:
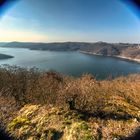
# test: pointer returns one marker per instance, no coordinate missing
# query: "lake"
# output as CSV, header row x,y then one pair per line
x,y
70,63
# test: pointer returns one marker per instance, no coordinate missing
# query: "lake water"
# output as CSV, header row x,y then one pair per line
x,y
71,63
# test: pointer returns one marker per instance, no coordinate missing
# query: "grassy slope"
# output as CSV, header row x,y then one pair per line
x,y
36,105
41,122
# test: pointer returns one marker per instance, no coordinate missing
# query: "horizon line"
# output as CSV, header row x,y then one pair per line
x,y
70,42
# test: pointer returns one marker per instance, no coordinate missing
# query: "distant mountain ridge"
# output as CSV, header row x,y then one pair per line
x,y
121,50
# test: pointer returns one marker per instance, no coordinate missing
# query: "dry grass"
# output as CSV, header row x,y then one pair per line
x,y
104,105
54,123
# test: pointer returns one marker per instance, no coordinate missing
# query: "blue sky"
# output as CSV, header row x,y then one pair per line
x,y
70,20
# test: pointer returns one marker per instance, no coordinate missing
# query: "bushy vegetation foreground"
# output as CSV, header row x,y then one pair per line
x,y
49,106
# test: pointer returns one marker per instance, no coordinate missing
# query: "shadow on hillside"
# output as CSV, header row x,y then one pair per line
x,y
85,115
5,136
135,136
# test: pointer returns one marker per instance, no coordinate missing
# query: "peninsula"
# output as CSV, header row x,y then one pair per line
x,y
4,56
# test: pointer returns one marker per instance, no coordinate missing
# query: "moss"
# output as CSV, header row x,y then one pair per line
x,y
49,124
29,110
119,107
87,137
18,122
84,126
67,122
80,116
50,134
79,131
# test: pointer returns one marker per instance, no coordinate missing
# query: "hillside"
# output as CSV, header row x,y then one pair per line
x,y
121,50
50,106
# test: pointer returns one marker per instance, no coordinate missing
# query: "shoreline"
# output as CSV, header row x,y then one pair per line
x,y
115,56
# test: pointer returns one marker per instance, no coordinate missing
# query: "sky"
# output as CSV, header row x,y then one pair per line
x,y
70,20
